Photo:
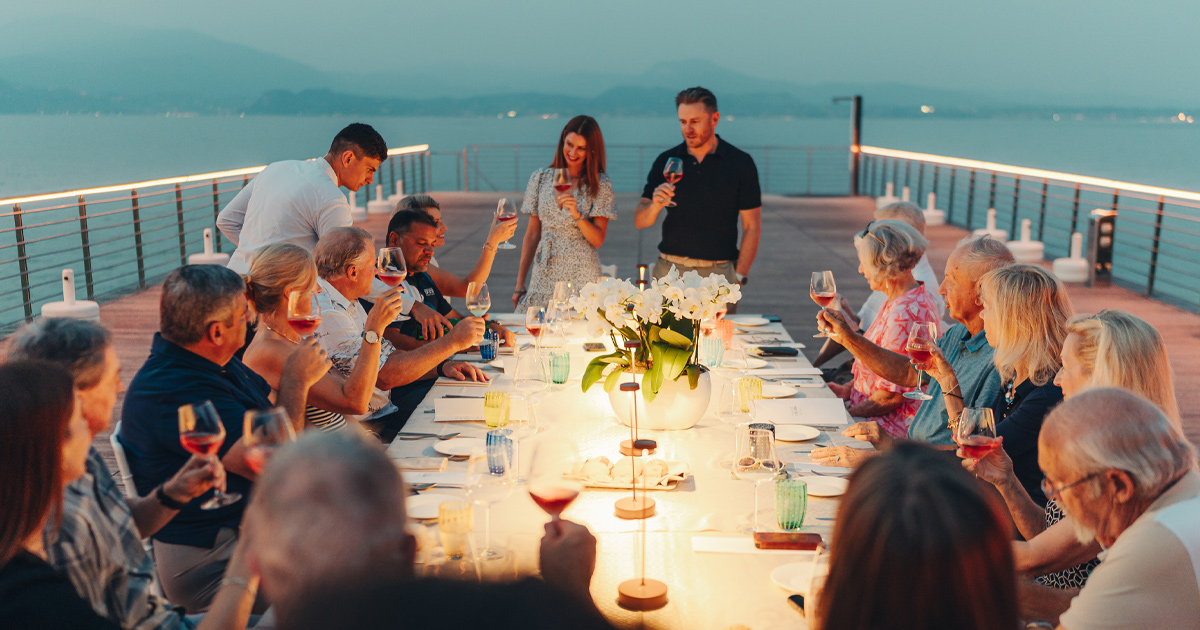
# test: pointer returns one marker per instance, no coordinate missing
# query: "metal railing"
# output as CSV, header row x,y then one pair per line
x,y
784,170
1156,241
160,222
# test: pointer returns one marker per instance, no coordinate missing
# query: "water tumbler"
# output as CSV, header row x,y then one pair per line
x,y
487,348
560,366
791,502
499,441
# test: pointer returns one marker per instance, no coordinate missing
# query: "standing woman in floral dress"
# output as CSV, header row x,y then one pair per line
x,y
565,230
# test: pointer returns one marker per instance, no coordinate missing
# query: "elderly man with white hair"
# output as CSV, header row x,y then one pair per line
x,y
1127,477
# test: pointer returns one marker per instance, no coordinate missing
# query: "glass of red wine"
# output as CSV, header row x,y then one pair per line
x,y
562,180
553,475
976,432
391,268
201,433
922,339
506,211
823,290
263,432
535,324
673,172
304,312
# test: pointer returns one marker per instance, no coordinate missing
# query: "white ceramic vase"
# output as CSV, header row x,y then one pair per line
x,y
676,406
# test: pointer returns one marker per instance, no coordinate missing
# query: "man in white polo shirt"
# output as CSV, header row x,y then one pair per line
x,y
298,201
1126,477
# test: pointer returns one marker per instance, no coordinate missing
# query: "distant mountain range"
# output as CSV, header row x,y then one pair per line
x,y
84,67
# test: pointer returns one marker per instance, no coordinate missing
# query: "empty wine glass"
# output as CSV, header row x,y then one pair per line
x,y
392,269
304,311
201,433
975,432
922,339
755,459
523,428
506,211
673,172
264,431
823,290
532,374
553,482
490,479
479,300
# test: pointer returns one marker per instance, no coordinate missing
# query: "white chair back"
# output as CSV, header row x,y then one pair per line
x,y
122,463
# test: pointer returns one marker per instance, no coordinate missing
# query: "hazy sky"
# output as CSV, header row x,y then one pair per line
x,y
1051,46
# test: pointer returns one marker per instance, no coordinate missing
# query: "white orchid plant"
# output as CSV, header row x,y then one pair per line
x,y
665,318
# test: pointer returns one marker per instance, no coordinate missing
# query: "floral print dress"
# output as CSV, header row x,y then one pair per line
x,y
890,331
563,254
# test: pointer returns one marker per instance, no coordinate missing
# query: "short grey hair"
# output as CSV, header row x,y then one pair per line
x,y
984,253
905,211
890,247
76,345
340,247
1132,434
417,202
194,296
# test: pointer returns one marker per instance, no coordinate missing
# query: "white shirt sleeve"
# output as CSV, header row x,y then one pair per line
x,y
233,216
335,214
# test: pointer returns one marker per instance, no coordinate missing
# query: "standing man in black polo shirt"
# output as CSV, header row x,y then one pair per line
x,y
719,186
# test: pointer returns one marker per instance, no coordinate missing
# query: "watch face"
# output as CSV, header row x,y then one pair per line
x,y
371,336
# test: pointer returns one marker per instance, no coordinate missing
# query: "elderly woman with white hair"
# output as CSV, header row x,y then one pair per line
x,y
887,252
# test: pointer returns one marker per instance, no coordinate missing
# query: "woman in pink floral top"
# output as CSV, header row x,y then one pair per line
x,y
887,253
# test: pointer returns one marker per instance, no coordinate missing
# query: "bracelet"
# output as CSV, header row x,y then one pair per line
x,y
238,582
489,247
167,501
521,291
440,366
952,394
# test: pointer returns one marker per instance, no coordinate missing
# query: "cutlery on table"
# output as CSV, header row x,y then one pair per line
x,y
418,436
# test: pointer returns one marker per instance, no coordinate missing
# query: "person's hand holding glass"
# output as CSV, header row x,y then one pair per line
x,y
673,172
823,290
922,343
264,431
505,212
304,312
551,485
391,268
201,433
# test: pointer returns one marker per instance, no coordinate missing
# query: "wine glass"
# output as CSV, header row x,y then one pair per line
x,y
506,211
818,574
755,459
531,375
478,299
392,268
553,485
201,433
490,479
562,180
922,338
673,172
975,432
823,290
304,311
522,427
535,324
264,431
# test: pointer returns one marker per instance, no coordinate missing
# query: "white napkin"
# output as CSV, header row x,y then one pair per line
x,y
727,544
471,409
810,411
440,478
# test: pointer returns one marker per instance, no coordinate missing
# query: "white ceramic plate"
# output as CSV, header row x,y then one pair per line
x,y
748,364
860,445
793,577
778,390
425,506
458,446
795,432
825,486
748,320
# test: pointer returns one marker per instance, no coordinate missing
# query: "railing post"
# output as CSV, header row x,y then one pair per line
x,y
1042,210
216,212
767,170
424,172
895,171
137,237
907,169
1158,219
23,262
992,192
971,200
412,170
936,170
1074,211
85,238
1012,234
392,170
950,197
476,157
920,182
179,224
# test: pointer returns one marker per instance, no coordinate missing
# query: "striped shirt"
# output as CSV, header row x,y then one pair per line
x,y
971,358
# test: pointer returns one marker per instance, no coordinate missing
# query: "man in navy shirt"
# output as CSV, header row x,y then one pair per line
x,y
719,187
202,324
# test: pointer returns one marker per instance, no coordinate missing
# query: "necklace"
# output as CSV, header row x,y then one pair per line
x,y
1010,394
285,337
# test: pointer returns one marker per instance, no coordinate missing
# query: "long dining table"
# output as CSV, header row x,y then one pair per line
x,y
698,542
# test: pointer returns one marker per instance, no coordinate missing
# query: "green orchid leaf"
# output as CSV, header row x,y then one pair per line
x,y
675,339
614,377
693,372
592,373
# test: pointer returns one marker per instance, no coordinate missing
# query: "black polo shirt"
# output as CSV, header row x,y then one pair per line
x,y
704,223
431,296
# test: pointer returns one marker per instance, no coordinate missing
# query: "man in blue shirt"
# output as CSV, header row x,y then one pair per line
x,y
202,324
964,345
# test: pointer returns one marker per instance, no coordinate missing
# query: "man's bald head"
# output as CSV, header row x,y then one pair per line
x,y
329,507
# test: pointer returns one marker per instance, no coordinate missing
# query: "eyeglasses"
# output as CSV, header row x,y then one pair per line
x,y
1051,492
867,232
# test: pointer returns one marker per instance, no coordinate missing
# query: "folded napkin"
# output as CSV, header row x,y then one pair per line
x,y
728,544
790,370
471,409
810,411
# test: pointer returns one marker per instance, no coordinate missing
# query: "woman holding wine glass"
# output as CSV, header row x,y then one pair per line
x,y
569,204
887,253
449,283
283,277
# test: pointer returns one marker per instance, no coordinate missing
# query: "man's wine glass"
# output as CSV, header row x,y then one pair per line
x,y
552,482
478,299
823,290
506,211
673,172
975,432
392,269
201,433
490,479
264,431
922,339
304,311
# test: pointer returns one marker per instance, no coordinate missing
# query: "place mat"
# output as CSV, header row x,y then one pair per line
x,y
729,544
811,411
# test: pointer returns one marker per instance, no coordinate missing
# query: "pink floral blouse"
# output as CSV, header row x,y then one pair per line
x,y
890,330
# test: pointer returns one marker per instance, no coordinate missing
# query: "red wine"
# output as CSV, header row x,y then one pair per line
x,y
391,279
201,443
919,354
258,456
304,325
673,177
553,499
977,446
562,187
503,219
533,330
822,299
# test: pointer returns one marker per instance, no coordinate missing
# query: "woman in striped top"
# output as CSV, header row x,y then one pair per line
x,y
277,271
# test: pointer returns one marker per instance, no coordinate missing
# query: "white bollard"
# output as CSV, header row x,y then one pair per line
x,y
888,198
1075,267
933,216
70,307
209,257
398,193
1027,250
990,230
905,194
380,205
357,214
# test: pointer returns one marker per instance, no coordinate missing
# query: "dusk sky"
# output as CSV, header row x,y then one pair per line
x,y
1103,47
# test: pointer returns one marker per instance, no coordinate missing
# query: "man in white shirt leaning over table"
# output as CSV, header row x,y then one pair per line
x,y
298,201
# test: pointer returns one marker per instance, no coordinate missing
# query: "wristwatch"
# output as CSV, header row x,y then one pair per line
x,y
742,280
167,501
370,336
